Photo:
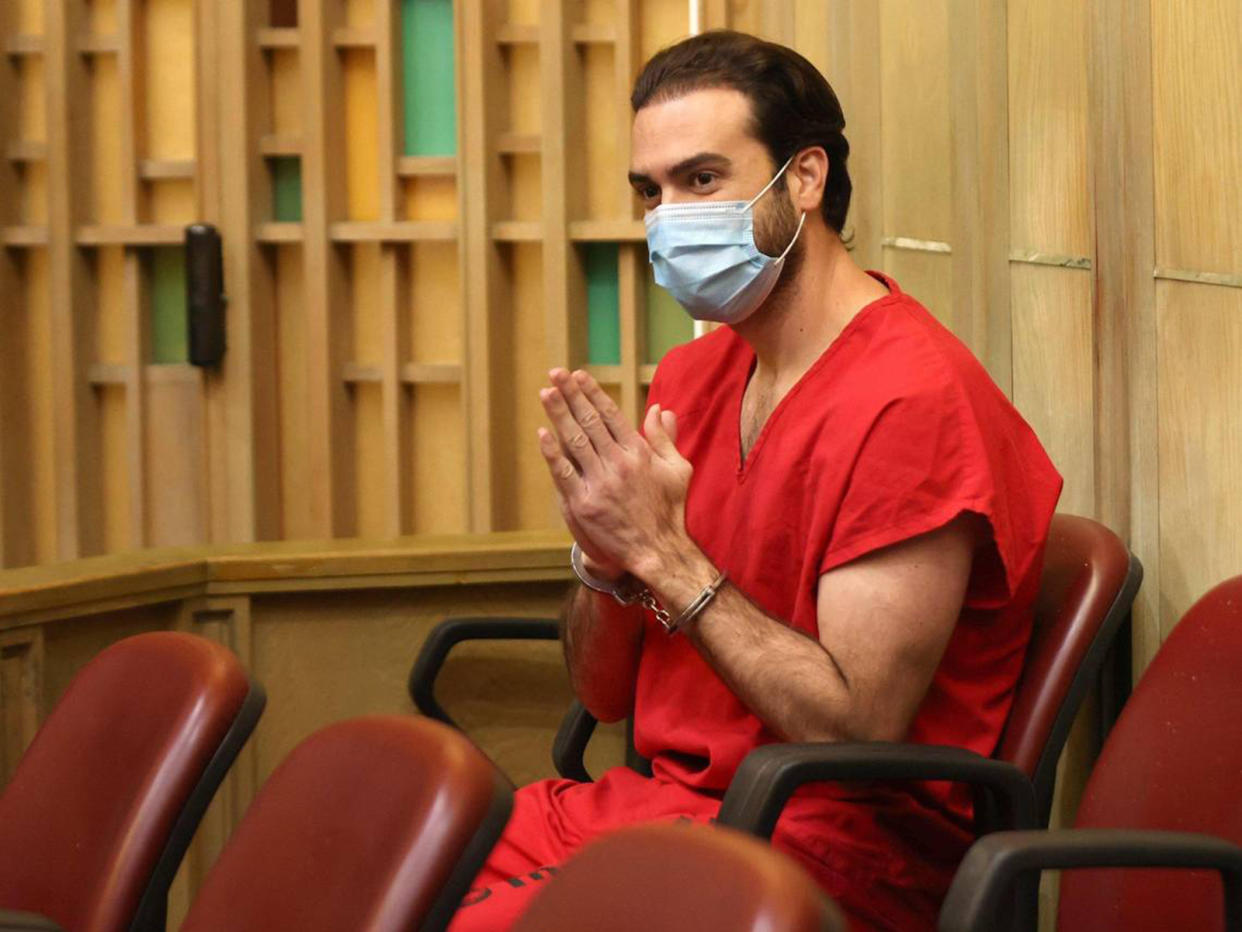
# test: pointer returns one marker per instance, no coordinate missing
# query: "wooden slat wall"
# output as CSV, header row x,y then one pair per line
x,y
1120,244
383,349
1196,136
330,441
1050,254
15,548
245,469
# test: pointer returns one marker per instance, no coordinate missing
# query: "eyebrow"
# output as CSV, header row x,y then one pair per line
x,y
686,166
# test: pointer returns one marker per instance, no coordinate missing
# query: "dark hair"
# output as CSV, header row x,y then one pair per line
x,y
793,105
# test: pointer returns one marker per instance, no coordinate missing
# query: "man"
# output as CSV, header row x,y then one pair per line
x,y
830,527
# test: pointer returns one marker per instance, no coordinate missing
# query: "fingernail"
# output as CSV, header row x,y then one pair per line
x,y
582,377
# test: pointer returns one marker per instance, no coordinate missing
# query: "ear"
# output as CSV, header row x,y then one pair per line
x,y
807,178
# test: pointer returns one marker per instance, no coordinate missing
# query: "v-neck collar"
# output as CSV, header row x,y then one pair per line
x,y
744,462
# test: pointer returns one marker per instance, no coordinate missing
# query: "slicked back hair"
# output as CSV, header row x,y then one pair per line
x,y
793,105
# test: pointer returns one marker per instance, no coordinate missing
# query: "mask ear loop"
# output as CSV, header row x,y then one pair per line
x,y
801,220
751,202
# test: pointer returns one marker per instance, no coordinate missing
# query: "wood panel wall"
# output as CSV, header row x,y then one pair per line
x,y
386,331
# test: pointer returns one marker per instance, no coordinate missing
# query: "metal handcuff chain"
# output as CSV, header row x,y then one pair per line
x,y
627,596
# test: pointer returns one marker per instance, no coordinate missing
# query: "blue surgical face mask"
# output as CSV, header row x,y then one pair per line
x,y
704,254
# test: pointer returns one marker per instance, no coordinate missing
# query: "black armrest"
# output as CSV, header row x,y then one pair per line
x,y
770,774
13,921
452,631
571,740
982,887
576,726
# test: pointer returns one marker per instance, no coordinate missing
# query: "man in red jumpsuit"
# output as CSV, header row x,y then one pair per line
x,y
832,506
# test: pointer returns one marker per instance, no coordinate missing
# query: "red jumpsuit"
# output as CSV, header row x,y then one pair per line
x,y
894,431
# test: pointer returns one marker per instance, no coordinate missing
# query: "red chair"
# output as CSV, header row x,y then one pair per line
x,y
375,824
1164,794
670,878
1088,585
104,802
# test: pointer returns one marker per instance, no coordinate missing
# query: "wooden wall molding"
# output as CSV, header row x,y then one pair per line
x,y
14,505
36,594
79,515
21,691
330,465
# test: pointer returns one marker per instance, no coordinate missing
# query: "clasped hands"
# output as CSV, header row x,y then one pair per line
x,y
622,494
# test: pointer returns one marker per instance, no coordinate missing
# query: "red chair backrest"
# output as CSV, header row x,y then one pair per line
x,y
673,878
1173,761
374,824
87,818
1088,584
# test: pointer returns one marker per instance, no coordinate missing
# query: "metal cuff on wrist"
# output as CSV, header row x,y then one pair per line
x,y
627,590
696,607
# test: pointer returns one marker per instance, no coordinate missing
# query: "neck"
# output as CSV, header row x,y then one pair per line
x,y
802,317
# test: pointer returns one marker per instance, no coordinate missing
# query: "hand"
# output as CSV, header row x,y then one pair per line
x,y
622,495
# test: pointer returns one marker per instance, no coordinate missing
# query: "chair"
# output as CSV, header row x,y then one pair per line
x,y
1088,585
1163,794
375,824
104,802
669,878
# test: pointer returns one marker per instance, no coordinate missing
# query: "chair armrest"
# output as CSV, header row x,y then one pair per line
x,y
982,886
770,774
12,920
572,736
452,631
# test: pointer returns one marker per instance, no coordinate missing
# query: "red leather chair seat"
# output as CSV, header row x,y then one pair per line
x,y
104,801
375,824
1173,762
674,878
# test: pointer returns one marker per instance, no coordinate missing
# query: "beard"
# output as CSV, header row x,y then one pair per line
x,y
775,229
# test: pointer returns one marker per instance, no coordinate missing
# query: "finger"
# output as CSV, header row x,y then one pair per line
x,y
575,440
583,409
668,420
659,439
617,423
564,476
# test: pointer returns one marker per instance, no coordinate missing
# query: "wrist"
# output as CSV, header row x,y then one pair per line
x,y
608,572
682,588
662,563
625,588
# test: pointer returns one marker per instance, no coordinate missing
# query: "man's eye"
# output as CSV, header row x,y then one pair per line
x,y
650,192
704,178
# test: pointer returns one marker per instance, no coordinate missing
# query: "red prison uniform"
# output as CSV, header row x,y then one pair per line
x,y
892,432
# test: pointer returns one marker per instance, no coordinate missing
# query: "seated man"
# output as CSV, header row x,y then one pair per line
x,y
830,528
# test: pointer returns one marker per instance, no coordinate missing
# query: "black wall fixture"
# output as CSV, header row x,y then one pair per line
x,y
205,300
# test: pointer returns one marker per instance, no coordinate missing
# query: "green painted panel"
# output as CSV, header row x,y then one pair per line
x,y
668,324
427,71
287,189
603,305
169,326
